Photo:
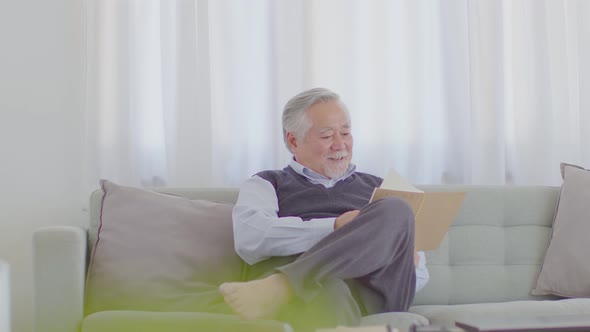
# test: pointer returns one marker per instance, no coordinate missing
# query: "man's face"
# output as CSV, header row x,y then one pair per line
x,y
327,146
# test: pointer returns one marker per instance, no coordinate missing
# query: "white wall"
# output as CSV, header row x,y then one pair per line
x,y
41,132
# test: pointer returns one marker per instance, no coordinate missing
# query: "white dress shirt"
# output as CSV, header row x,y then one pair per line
x,y
259,233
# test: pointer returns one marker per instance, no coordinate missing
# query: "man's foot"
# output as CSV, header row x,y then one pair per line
x,y
257,298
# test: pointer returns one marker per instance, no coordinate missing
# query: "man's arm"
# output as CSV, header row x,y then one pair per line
x,y
259,233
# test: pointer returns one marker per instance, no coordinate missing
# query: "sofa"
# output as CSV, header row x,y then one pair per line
x,y
486,266
4,297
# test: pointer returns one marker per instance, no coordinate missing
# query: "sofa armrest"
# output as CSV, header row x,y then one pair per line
x,y
59,265
4,296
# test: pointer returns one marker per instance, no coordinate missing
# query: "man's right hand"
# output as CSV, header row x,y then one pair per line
x,y
345,218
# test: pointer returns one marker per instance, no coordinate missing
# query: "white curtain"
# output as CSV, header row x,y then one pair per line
x,y
189,92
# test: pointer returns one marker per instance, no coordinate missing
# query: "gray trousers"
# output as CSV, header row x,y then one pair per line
x,y
365,267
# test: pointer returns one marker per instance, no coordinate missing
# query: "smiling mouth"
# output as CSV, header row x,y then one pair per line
x,y
336,159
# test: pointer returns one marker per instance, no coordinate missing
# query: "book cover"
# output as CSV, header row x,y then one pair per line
x,y
434,212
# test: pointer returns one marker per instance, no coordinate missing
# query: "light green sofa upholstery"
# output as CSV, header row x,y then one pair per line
x,y
4,297
486,266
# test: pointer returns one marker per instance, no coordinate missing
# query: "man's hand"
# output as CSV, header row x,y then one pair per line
x,y
345,218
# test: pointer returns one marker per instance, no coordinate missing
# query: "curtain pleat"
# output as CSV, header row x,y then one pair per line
x,y
189,93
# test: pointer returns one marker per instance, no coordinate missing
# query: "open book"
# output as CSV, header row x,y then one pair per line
x,y
434,212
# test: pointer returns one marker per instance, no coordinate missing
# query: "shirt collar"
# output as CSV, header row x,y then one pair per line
x,y
317,178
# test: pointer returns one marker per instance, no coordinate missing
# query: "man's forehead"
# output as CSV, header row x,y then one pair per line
x,y
345,125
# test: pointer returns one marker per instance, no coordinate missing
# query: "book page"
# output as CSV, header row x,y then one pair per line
x,y
394,181
414,199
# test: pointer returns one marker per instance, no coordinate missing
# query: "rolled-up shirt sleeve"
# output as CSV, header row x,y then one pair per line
x,y
259,233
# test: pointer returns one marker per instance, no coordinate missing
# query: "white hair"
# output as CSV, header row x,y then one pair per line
x,y
296,121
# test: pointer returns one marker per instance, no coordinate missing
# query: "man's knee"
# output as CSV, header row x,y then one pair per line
x,y
393,212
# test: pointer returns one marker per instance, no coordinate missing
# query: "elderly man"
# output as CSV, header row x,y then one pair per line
x,y
310,234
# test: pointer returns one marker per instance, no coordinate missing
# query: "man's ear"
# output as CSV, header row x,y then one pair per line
x,y
292,141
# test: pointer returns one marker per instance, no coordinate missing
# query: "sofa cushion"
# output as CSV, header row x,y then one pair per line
x,y
566,267
160,252
494,249
446,315
402,321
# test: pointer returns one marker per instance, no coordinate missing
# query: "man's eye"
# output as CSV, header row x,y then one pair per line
x,y
325,137
345,134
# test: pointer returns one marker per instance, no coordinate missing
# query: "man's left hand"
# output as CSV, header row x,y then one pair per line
x,y
345,218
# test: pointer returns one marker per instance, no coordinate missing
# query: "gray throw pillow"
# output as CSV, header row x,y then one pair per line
x,y
566,268
160,252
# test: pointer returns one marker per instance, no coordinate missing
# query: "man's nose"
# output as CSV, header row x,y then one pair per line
x,y
338,143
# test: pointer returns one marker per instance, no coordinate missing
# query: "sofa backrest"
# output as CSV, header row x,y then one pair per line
x,y
495,247
492,253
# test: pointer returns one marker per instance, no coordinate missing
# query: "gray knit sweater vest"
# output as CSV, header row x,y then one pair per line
x,y
298,197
